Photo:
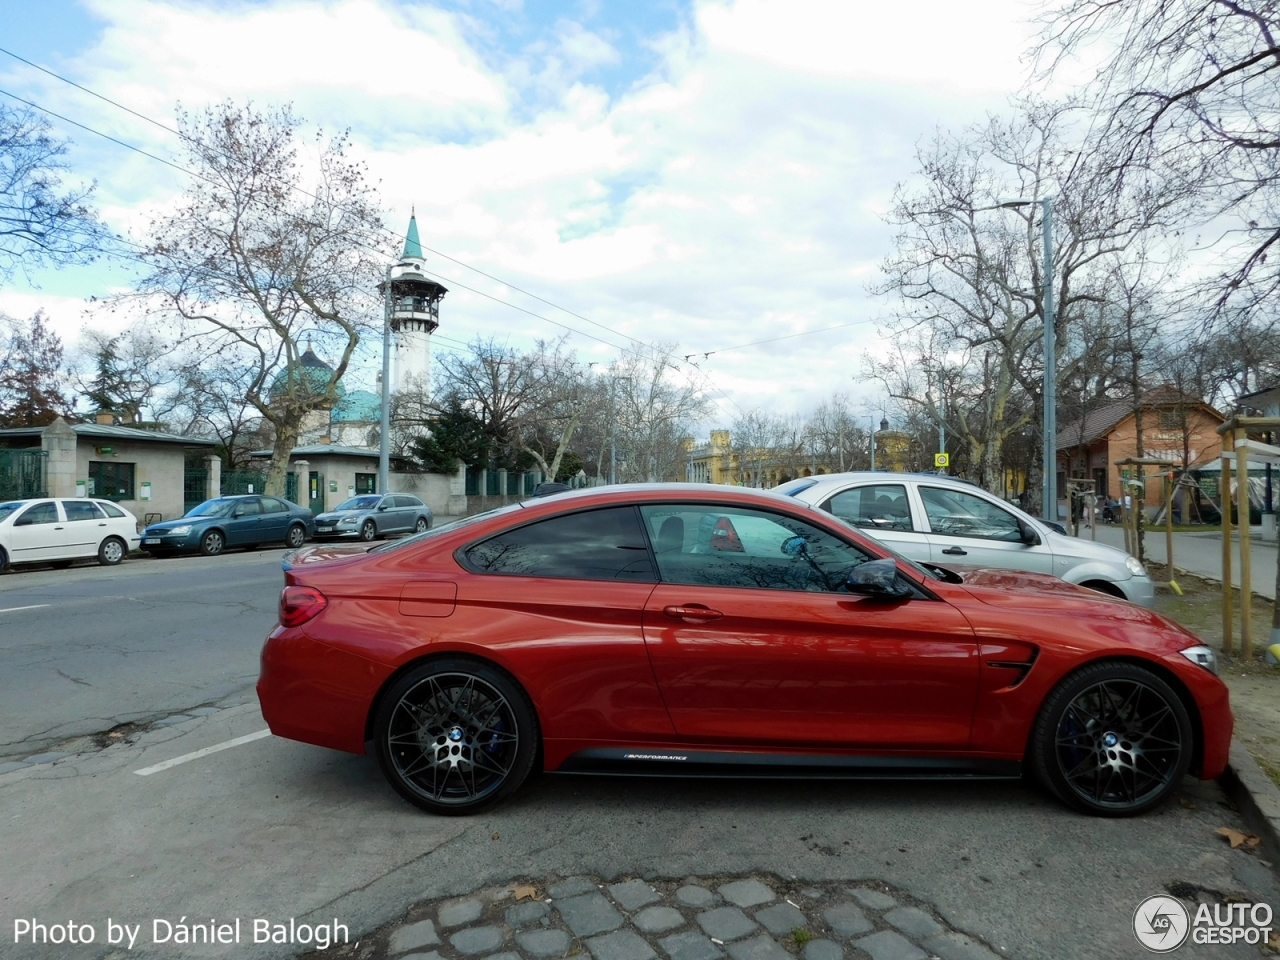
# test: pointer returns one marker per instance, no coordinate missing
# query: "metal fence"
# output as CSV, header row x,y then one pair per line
x,y
236,482
194,483
22,474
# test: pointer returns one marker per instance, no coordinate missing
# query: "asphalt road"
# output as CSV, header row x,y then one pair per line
x,y
86,649
268,828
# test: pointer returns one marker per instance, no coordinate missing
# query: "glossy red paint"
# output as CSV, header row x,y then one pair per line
x,y
645,665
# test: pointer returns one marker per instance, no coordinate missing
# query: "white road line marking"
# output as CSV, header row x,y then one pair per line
x,y
34,606
196,755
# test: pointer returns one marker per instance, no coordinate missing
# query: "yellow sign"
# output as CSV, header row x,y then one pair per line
x,y
942,459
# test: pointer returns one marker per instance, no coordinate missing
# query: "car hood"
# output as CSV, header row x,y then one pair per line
x,y
166,525
324,553
998,586
1085,549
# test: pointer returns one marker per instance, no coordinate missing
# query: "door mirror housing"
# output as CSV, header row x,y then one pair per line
x,y
382,507
877,578
1029,535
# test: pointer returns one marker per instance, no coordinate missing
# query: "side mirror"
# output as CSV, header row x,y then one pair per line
x,y
381,507
877,578
1029,535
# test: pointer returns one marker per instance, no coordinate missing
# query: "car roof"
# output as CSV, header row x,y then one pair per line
x,y
885,476
657,492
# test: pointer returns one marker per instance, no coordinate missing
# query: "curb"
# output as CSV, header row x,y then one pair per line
x,y
1256,796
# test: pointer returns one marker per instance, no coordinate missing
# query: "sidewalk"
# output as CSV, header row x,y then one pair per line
x,y
1201,553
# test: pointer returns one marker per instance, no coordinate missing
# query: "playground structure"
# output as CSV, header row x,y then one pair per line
x,y
1237,446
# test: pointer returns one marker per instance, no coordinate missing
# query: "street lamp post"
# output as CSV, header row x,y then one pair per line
x,y
1050,493
384,442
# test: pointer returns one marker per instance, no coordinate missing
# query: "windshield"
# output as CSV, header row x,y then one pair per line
x,y
212,508
793,487
444,528
359,503
10,507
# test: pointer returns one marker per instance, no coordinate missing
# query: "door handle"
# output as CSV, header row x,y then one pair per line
x,y
956,552
692,613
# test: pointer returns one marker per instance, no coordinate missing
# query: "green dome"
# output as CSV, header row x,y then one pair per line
x,y
314,373
358,406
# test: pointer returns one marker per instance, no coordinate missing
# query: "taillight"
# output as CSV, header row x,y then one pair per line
x,y
300,604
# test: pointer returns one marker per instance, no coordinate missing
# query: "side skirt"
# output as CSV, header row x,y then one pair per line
x,y
674,762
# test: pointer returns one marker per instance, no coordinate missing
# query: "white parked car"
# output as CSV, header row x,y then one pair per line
x,y
59,531
936,519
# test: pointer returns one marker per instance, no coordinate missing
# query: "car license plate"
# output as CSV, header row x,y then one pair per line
x,y
151,540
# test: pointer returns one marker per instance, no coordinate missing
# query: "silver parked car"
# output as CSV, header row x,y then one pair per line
x,y
941,520
371,515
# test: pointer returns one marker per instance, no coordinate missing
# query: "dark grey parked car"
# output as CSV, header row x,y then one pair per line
x,y
370,516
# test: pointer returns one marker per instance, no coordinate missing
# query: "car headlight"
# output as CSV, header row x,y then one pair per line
x,y
181,531
348,522
1202,656
1137,569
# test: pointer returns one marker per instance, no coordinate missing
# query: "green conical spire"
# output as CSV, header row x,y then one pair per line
x,y
412,248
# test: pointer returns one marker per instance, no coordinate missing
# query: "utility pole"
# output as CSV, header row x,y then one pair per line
x,y
873,443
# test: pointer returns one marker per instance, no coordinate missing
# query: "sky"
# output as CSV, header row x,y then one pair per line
x,y
702,175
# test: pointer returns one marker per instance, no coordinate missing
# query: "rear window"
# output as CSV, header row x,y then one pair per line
x,y
603,544
110,509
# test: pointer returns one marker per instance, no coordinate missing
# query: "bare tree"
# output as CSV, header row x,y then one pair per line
x,y
41,222
266,253
128,374
655,407
756,437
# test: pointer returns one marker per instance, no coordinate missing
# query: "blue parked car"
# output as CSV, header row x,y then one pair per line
x,y
246,521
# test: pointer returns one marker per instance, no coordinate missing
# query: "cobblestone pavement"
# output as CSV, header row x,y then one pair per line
x,y
707,918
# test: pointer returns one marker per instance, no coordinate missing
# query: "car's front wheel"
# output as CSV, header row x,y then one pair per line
x,y
368,531
296,536
211,543
1112,739
111,551
455,735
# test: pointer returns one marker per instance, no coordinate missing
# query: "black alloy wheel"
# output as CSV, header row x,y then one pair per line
x,y
368,531
296,536
456,735
211,543
112,551
1113,739
421,525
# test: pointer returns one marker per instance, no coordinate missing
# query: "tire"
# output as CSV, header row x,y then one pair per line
x,y
1112,739
421,526
438,718
296,536
368,531
111,551
4,559
212,543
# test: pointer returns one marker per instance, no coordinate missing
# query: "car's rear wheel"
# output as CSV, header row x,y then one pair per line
x,y
1112,739
368,531
111,551
421,525
296,536
211,543
455,735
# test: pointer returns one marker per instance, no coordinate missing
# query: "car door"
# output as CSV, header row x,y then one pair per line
x,y
402,514
39,534
245,523
884,511
275,520
86,526
575,585
969,528
752,640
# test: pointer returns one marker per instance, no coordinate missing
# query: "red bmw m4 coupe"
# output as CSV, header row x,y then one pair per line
x,y
692,630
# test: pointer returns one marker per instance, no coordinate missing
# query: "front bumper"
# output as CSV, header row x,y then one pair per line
x,y
1139,590
167,543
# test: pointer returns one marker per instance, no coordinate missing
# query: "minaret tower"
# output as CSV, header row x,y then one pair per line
x,y
415,314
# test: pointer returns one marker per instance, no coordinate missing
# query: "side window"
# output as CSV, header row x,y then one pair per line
x,y
881,506
272,505
111,510
40,513
593,545
248,508
957,514
81,510
711,545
